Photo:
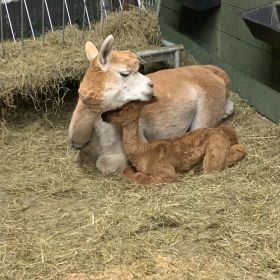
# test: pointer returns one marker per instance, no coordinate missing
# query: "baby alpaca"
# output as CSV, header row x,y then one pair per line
x,y
158,161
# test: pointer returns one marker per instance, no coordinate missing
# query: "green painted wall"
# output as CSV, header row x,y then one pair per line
x,y
221,37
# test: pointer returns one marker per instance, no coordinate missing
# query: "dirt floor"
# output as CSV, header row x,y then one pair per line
x,y
62,221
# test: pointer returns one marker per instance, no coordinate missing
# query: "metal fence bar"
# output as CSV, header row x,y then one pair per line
x,y
84,18
10,23
21,23
140,8
68,14
103,12
1,30
121,2
103,5
29,20
43,22
49,16
63,20
87,15
121,6
158,7
103,9
100,7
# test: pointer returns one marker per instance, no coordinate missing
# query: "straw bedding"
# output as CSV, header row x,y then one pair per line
x,y
62,221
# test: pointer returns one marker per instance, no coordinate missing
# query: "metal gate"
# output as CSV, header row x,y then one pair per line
x,y
29,18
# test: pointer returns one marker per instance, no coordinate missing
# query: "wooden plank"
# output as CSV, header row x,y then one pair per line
x,y
248,4
227,18
221,37
168,15
263,98
172,5
262,65
258,63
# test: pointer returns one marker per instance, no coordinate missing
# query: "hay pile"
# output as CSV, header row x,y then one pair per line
x,y
60,221
39,73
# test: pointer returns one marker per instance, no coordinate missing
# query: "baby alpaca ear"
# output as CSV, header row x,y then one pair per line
x,y
91,51
105,51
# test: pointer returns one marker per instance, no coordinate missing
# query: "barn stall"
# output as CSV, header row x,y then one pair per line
x,y
63,221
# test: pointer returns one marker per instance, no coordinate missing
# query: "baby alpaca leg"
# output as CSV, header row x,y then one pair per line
x,y
158,174
236,153
140,177
163,172
216,154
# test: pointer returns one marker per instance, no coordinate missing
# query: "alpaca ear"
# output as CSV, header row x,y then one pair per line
x,y
105,51
91,50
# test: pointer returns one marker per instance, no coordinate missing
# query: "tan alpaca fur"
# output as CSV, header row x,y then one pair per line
x,y
188,98
215,148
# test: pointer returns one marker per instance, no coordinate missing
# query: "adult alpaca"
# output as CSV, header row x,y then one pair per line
x,y
111,80
188,98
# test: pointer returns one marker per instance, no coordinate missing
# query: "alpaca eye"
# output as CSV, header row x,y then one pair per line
x,y
124,74
118,109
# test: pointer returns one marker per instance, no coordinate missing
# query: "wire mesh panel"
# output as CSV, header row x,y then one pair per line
x,y
53,15
27,18
20,19
151,4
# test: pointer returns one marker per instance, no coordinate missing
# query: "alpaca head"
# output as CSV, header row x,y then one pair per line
x,y
112,78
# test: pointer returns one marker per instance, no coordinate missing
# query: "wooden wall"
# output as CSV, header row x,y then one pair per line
x,y
221,37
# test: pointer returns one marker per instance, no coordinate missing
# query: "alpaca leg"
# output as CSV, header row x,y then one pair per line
x,y
129,172
229,108
162,172
216,154
166,174
205,115
86,155
107,164
236,153
82,157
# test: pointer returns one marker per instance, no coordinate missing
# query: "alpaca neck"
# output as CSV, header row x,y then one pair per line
x,y
131,142
82,123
